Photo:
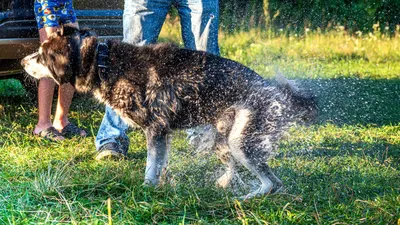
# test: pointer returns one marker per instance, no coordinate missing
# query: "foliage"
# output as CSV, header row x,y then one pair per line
x,y
297,15
11,88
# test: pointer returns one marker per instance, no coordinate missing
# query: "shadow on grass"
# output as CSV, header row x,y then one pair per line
x,y
382,152
356,101
344,190
363,176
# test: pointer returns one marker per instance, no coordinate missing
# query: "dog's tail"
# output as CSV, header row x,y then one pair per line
x,y
304,102
286,84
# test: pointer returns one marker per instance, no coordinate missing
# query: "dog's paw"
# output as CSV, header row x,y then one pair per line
x,y
149,183
278,187
224,180
253,194
263,190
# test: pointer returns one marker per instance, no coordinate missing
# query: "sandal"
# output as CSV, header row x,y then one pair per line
x,y
51,134
73,130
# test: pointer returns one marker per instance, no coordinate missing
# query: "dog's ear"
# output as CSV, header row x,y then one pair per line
x,y
62,57
58,61
58,64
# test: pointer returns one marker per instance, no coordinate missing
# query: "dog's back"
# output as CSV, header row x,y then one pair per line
x,y
218,85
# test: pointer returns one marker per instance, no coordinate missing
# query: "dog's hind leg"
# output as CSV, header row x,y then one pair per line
x,y
158,145
256,150
224,125
266,144
250,151
261,170
224,154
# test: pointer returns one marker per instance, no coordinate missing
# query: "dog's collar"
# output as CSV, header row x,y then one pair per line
x,y
103,61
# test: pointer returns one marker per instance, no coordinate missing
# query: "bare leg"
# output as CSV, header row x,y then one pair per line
x,y
65,95
46,92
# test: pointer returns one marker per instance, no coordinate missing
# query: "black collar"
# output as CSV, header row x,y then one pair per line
x,y
103,60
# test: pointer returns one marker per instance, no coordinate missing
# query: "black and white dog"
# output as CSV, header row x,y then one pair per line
x,y
162,87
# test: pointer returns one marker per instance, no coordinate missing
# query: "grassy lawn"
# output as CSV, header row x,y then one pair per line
x,y
345,169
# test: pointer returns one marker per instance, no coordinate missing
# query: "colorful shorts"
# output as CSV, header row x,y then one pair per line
x,y
53,13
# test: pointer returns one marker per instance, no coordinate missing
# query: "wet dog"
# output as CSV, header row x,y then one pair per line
x,y
162,87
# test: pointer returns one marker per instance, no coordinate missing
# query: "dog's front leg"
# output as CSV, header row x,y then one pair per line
x,y
157,156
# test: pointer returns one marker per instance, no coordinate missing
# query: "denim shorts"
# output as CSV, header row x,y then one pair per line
x,y
53,13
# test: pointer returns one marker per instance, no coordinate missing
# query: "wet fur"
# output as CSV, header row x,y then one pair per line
x,y
162,87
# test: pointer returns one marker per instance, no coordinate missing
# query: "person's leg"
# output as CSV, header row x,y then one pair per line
x,y
45,91
65,95
199,22
45,98
142,22
47,26
112,131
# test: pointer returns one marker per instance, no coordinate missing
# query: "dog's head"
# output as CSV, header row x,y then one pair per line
x,y
58,57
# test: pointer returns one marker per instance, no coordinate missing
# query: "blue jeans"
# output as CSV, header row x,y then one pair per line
x,y
142,24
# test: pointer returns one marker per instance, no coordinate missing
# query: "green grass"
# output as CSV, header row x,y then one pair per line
x,y
345,169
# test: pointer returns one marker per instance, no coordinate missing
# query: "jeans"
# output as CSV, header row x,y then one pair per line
x,y
142,24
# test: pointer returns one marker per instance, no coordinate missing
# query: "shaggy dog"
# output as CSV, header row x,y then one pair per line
x,y
162,87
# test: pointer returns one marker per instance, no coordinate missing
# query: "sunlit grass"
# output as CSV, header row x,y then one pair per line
x,y
344,169
314,55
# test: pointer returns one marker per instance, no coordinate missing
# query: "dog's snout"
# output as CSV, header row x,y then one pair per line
x,y
26,60
23,62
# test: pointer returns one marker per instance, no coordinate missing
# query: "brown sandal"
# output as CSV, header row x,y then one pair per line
x,y
72,130
51,134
